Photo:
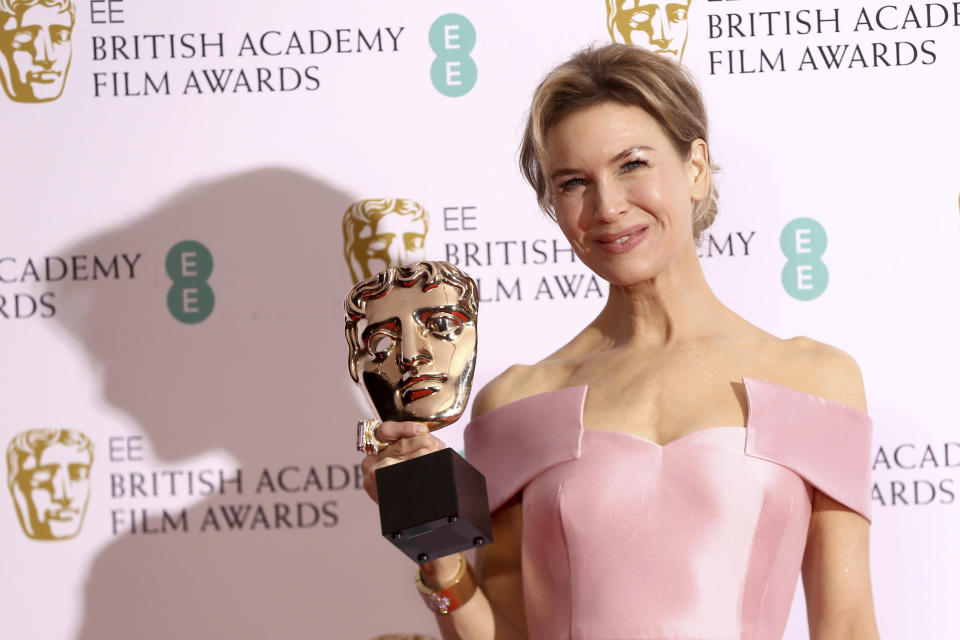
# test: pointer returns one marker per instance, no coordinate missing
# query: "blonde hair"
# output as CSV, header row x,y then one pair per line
x,y
626,75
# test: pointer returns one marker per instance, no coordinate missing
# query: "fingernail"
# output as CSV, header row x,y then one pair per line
x,y
420,428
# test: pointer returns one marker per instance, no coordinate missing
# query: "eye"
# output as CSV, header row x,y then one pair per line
x,y
377,246
641,16
413,241
60,35
79,472
380,344
444,325
678,15
633,165
22,37
572,184
40,478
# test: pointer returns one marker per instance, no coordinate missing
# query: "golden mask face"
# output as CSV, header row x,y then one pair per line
x,y
659,26
35,49
413,352
381,233
49,478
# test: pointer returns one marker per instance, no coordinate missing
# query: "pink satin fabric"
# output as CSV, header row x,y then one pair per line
x,y
701,538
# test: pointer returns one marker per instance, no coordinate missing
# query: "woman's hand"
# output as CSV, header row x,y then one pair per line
x,y
406,440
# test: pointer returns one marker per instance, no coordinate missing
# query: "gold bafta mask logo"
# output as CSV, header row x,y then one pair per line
x,y
659,26
48,471
381,233
35,48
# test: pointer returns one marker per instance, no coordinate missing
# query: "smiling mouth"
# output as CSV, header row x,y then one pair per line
x,y
408,393
622,241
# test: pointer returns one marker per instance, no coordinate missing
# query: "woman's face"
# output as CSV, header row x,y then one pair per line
x,y
622,194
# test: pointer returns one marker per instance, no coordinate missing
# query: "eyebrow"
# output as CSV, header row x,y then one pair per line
x,y
450,308
370,328
620,156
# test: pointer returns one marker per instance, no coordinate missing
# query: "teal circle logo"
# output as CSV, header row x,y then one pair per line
x,y
804,241
452,38
189,265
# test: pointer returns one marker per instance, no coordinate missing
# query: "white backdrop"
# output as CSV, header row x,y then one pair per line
x,y
223,495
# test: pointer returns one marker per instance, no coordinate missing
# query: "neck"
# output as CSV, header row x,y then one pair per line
x,y
675,305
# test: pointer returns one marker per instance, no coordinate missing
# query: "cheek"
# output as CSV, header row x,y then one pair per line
x,y
386,370
445,356
573,219
670,195
61,52
22,58
456,356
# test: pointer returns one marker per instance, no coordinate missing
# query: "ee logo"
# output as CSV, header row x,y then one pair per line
x,y
452,38
189,265
804,241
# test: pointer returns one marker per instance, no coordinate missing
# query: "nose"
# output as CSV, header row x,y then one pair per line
x,y
414,348
43,47
610,202
62,491
661,36
397,252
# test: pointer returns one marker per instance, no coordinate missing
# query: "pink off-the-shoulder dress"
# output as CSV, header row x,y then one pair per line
x,y
701,538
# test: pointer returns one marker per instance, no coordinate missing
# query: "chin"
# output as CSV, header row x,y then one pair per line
x,y
624,274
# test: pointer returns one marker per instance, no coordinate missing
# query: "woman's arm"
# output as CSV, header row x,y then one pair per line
x,y
495,612
836,563
836,574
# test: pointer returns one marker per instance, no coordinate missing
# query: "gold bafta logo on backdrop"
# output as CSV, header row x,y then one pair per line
x,y
48,471
659,26
383,232
35,48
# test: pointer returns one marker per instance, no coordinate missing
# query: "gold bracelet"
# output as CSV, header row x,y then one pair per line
x,y
452,595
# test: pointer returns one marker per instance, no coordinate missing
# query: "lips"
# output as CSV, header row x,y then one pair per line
x,y
44,77
63,515
408,392
623,240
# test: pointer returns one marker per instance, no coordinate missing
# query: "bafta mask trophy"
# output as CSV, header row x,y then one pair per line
x,y
412,335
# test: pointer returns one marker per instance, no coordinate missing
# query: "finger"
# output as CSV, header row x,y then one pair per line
x,y
391,431
370,486
370,474
429,443
367,463
380,464
416,453
411,454
403,446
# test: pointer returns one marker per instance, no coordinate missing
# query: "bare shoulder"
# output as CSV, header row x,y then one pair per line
x,y
826,371
515,383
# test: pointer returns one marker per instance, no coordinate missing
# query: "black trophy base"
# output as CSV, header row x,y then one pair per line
x,y
434,505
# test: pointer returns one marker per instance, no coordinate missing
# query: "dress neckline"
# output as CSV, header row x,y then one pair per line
x,y
747,382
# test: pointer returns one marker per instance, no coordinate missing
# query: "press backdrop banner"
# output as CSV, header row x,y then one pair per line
x,y
190,188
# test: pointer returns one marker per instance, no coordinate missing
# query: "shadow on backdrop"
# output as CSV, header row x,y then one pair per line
x,y
263,378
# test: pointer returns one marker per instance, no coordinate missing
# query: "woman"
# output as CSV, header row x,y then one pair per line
x,y
669,471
